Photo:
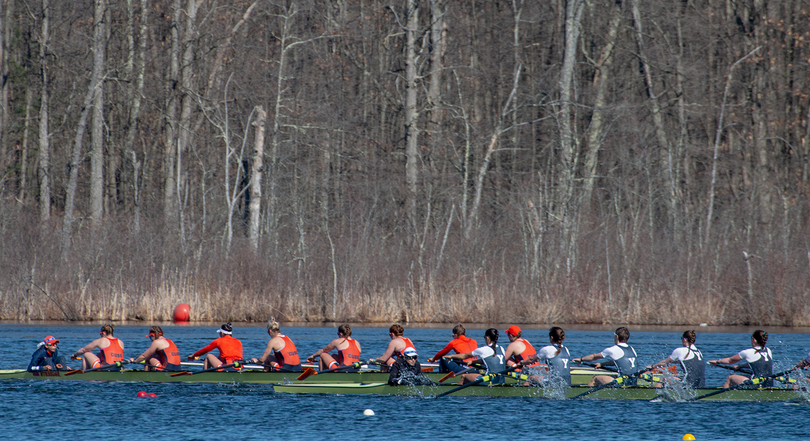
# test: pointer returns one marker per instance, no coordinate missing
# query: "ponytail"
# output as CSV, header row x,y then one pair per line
x,y
492,333
557,335
761,337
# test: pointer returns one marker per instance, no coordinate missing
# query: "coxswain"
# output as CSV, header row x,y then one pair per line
x,y
519,348
111,350
230,349
461,344
162,354
46,357
397,344
758,357
620,354
348,351
406,370
491,355
557,358
690,358
280,353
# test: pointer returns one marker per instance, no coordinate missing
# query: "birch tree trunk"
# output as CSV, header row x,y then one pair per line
x,y
573,17
136,68
256,178
44,143
4,119
97,154
170,209
411,112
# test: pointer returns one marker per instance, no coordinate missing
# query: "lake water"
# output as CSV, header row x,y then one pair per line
x,y
70,410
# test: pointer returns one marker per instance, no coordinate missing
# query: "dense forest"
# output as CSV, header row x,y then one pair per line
x,y
555,161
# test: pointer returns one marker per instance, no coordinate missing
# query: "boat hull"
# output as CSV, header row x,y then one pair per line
x,y
623,393
579,376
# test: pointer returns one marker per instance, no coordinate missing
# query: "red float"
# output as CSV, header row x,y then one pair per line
x,y
181,313
152,394
141,393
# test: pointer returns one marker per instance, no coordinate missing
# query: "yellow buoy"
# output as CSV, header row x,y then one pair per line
x,y
688,437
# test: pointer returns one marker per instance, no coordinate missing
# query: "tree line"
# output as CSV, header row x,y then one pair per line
x,y
562,161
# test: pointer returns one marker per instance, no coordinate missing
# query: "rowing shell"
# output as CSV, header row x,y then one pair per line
x,y
578,376
515,390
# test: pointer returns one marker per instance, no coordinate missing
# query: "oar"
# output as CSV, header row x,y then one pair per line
x,y
735,368
79,371
593,365
455,374
751,381
479,380
616,382
223,366
309,371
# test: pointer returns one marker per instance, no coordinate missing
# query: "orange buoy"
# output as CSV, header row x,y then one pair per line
x,y
181,313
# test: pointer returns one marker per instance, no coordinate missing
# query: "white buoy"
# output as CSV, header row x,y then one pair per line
x,y
368,412
704,324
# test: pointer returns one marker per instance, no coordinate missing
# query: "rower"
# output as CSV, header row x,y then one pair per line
x,y
230,349
758,358
162,354
519,348
348,351
406,370
690,359
280,353
46,357
556,356
491,355
397,344
461,344
621,354
111,350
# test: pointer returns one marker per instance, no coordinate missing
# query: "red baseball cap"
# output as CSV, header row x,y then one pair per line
x,y
50,340
514,330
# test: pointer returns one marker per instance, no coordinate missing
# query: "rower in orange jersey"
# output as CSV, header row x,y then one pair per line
x,y
462,345
395,347
348,351
162,354
230,349
280,353
519,349
110,349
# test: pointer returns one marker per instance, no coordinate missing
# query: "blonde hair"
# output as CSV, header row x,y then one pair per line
x,y
272,325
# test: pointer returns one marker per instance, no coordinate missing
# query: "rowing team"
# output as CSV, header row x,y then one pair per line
x,y
281,354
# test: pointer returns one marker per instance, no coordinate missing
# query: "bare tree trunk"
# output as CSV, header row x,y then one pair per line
x,y
411,111
568,142
44,143
170,209
493,142
256,178
29,104
184,125
4,71
96,84
601,80
137,65
437,44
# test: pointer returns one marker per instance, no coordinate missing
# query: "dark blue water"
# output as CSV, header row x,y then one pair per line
x,y
69,410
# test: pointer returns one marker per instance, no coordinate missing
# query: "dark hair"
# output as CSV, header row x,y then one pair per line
x,y
761,337
108,329
623,334
557,335
492,333
396,330
459,329
156,330
690,336
346,330
227,327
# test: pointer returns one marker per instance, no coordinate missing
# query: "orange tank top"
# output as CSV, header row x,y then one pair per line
x,y
288,354
528,351
112,353
169,356
349,355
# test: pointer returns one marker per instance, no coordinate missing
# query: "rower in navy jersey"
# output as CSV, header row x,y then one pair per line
x,y
758,358
620,354
556,357
690,360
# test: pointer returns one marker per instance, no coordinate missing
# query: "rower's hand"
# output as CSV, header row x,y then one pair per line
x,y
47,367
253,361
430,360
597,365
577,360
190,357
714,362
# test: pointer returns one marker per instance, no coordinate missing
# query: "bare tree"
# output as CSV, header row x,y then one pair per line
x,y
256,178
44,145
97,153
411,110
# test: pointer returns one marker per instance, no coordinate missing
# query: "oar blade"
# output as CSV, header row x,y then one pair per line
x,y
308,372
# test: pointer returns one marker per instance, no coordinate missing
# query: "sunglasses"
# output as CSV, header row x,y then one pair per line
x,y
410,358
